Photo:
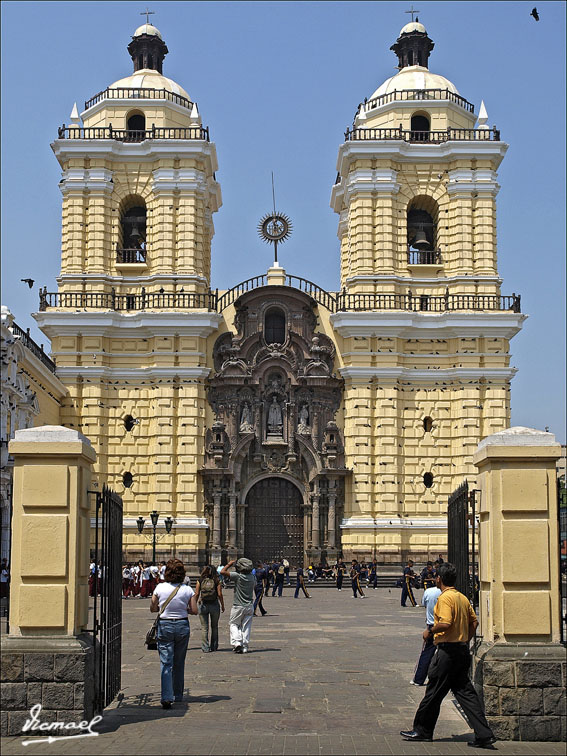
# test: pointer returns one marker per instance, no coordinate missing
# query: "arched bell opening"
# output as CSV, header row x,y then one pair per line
x,y
422,215
420,127
132,233
135,126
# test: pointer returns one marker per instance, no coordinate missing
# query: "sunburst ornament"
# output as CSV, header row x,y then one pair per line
x,y
275,228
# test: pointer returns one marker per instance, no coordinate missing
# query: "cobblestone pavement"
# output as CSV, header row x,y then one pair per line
x,y
328,675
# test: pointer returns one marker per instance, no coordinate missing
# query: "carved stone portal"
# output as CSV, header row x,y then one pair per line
x,y
275,397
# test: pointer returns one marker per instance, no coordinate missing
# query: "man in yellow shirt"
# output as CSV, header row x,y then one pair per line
x,y
455,625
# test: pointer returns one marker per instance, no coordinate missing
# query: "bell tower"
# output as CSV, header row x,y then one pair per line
x,y
130,321
138,184
425,330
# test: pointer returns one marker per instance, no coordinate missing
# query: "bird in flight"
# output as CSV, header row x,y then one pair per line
x,y
30,282
535,14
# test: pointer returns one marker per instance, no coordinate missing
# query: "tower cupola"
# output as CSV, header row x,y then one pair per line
x,y
413,46
147,48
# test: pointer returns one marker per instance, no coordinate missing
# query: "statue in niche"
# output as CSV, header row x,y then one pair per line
x,y
275,418
246,419
303,425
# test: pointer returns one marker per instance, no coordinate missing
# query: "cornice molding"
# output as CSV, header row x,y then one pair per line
x,y
394,523
96,372
137,152
363,374
419,325
124,325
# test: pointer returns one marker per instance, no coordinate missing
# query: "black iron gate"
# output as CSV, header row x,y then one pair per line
x,y
107,595
461,550
274,522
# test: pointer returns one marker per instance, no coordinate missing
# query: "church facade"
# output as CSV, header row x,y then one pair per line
x,y
273,418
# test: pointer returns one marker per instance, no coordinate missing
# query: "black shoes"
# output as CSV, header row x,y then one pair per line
x,y
415,735
166,704
484,743
238,649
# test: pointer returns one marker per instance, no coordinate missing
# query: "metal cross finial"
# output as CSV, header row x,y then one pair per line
x,y
147,13
412,11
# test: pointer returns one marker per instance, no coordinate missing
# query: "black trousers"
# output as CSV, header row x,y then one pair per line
x,y
407,592
449,671
356,586
340,580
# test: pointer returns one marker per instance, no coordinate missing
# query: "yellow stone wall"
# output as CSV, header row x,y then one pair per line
x,y
374,241
179,229
519,540
50,536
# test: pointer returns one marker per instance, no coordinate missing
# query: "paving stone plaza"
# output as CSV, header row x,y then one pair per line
x,y
325,676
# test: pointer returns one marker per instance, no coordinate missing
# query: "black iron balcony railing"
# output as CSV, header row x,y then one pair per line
x,y
430,137
138,93
335,302
424,257
128,135
29,343
419,94
124,302
427,303
133,255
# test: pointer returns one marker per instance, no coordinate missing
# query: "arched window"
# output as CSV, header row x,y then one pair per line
x,y
274,327
132,244
136,126
420,127
428,479
422,215
427,424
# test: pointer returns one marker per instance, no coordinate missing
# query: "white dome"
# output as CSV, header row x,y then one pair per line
x,y
411,27
147,29
414,77
149,79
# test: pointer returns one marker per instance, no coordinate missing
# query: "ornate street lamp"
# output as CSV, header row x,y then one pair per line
x,y
154,517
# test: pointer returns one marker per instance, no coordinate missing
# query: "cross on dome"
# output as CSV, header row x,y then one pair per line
x,y
147,13
412,11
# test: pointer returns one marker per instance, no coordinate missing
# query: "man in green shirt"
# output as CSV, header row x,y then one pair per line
x,y
242,604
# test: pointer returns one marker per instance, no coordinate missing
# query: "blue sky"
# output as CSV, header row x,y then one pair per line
x,y
278,83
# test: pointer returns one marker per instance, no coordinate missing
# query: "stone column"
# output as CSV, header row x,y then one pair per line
x,y
47,656
331,517
241,511
315,532
520,662
216,545
232,531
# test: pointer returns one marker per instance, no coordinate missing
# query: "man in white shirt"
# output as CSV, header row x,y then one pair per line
x,y
428,600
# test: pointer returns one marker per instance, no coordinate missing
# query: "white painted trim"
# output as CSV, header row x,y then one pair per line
x,y
417,355
394,523
409,152
420,325
413,375
69,372
440,281
123,325
93,278
39,370
138,152
180,523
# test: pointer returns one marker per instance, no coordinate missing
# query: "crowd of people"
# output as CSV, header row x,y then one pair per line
x,y
445,656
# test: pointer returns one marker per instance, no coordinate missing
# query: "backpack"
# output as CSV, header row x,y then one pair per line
x,y
281,570
208,591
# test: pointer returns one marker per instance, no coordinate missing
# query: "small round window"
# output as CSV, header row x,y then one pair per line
x,y
428,479
427,424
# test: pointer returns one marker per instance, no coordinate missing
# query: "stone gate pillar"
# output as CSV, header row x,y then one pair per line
x,y
520,664
47,657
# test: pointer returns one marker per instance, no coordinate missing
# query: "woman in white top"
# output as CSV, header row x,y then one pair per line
x,y
173,629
